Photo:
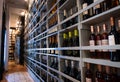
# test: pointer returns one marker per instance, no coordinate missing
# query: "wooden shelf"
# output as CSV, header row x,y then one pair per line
x,y
102,62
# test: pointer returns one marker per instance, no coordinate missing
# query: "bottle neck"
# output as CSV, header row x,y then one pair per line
x,y
98,30
92,29
107,68
104,28
75,32
113,28
70,34
88,66
64,36
118,24
99,68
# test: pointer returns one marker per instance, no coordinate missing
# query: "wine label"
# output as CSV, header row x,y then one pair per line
x,y
88,80
56,51
111,39
105,42
97,6
99,42
92,43
84,6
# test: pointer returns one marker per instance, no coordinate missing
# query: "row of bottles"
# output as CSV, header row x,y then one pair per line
x,y
53,41
111,38
99,8
70,38
101,74
72,69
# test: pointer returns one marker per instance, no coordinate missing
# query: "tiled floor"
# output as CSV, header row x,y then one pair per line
x,y
16,73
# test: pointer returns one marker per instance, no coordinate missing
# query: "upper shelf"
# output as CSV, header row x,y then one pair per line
x,y
103,16
102,62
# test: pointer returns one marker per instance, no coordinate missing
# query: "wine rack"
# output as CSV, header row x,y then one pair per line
x,y
57,39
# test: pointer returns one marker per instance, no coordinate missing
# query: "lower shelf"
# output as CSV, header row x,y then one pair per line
x,y
102,62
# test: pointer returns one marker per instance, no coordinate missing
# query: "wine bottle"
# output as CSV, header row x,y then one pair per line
x,y
70,22
65,40
114,75
67,67
72,71
97,8
76,38
107,75
99,74
88,74
70,40
114,3
92,42
85,13
65,15
113,40
98,42
119,30
104,36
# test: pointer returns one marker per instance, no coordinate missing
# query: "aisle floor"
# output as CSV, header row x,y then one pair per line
x,y
16,73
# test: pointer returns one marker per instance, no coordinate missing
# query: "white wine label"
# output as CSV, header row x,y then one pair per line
x,y
92,43
52,51
85,12
85,5
98,5
104,42
56,51
88,80
111,39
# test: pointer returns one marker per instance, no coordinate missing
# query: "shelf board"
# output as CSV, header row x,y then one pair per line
x,y
102,16
101,47
70,58
102,62
68,77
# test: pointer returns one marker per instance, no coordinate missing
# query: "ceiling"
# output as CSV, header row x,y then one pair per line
x,y
17,6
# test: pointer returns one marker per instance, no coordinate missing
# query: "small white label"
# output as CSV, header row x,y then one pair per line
x,y
111,40
98,5
92,43
88,80
99,42
104,42
85,5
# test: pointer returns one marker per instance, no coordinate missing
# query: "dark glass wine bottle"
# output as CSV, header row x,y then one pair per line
x,y
72,71
107,75
114,3
99,74
98,42
76,38
114,75
104,35
88,74
119,30
67,67
70,40
65,40
92,42
85,13
113,40
97,8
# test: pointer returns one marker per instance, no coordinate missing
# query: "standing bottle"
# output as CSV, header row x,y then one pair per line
x,y
105,42
92,42
99,74
64,25
67,67
113,40
119,30
70,40
72,71
114,75
76,38
65,40
85,13
97,8
107,75
98,42
88,74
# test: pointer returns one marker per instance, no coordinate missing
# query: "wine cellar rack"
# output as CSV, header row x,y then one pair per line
x,y
50,23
